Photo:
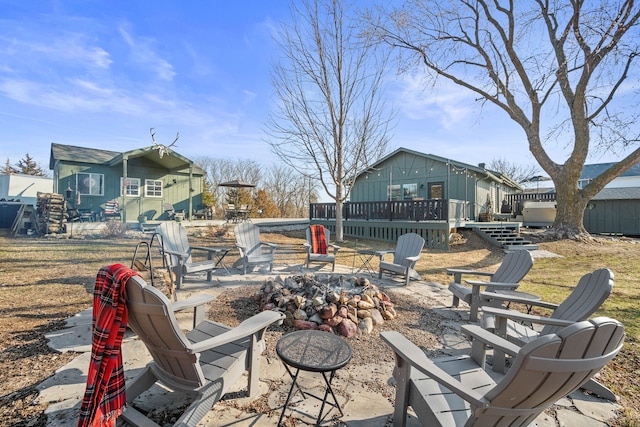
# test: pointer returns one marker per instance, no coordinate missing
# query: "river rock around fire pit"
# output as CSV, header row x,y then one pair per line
x,y
329,302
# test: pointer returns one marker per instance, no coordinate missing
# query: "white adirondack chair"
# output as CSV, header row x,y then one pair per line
x,y
329,257
457,391
203,363
506,278
405,256
253,251
585,299
177,252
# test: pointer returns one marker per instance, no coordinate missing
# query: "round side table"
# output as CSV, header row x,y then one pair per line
x,y
313,351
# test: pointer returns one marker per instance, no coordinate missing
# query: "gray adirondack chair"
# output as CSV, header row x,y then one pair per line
x,y
405,256
202,363
457,391
327,258
177,252
252,250
592,290
506,279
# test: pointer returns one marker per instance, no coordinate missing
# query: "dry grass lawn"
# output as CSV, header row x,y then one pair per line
x,y
43,281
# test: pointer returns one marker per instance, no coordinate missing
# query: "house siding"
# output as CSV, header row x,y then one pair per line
x,y
460,181
184,193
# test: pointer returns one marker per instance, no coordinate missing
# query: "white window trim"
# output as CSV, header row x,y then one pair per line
x,y
122,187
153,183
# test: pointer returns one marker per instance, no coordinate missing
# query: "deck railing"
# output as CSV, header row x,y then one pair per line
x,y
401,210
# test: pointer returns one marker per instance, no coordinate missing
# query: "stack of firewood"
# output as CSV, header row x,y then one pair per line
x,y
51,213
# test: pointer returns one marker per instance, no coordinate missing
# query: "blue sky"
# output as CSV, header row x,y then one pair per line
x,y
99,74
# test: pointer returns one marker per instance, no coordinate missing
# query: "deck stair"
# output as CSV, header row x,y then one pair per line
x,y
505,235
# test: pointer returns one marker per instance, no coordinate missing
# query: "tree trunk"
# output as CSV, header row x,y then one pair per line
x,y
339,231
570,207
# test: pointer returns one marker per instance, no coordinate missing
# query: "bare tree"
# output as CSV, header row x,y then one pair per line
x,y
291,192
517,172
560,69
330,121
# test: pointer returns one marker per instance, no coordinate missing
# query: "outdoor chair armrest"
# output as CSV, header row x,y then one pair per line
x,y
458,272
192,302
523,317
412,355
205,248
381,254
336,248
452,271
272,246
489,339
413,258
249,327
198,304
522,300
502,285
181,255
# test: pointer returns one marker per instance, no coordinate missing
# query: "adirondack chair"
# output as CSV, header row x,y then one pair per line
x,y
177,252
172,213
316,254
203,363
505,279
253,251
406,254
592,290
457,391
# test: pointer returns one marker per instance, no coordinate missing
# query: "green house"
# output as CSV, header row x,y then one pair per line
x,y
410,175
144,182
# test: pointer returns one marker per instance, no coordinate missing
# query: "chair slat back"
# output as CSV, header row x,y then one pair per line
x,y
588,295
409,244
151,317
514,267
248,236
327,233
174,238
550,368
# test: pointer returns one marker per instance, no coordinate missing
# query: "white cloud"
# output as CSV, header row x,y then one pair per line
x,y
143,52
446,103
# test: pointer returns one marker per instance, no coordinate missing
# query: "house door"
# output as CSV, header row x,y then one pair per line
x,y
436,190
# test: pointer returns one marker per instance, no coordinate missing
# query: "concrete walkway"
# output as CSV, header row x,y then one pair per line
x,y
64,389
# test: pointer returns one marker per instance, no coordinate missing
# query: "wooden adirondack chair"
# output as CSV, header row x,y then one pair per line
x,y
406,254
457,391
253,251
507,278
203,363
329,256
592,290
177,252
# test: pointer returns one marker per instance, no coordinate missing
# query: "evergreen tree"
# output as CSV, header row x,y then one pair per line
x,y
8,169
28,166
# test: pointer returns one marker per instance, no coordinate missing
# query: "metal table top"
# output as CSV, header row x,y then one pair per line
x,y
315,351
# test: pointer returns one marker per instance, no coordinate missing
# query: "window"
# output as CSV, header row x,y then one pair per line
x,y
90,184
152,188
436,190
393,192
131,188
409,191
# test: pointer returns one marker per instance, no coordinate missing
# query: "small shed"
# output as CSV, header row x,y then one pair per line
x,y
614,211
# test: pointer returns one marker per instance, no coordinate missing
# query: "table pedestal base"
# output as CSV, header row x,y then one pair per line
x,y
328,390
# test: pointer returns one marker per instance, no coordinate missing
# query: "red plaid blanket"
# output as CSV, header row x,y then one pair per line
x,y
318,239
104,396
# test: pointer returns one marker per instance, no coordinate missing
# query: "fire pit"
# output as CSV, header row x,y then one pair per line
x,y
329,302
